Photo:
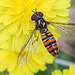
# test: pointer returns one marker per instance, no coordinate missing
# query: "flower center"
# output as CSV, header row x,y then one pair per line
x,y
26,8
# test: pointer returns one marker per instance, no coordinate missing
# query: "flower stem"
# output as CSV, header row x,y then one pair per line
x,y
55,65
63,62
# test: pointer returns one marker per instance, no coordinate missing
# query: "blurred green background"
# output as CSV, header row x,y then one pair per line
x,y
66,47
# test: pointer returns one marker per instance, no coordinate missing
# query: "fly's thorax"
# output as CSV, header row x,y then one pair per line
x,y
40,24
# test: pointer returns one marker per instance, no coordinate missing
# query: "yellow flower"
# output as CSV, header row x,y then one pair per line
x,y
8,61
70,71
16,26
15,18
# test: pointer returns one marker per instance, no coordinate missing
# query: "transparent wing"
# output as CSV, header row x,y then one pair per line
x,y
66,29
28,49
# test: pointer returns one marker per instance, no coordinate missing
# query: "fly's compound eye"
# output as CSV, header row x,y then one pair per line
x,y
34,17
40,14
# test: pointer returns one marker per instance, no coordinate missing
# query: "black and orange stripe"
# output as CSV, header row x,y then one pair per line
x,y
50,43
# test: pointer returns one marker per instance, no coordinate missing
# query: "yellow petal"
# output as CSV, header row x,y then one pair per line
x,y
16,43
61,4
33,68
57,72
5,46
26,26
49,58
19,31
3,60
12,28
27,70
5,3
45,5
8,19
2,9
50,14
4,35
38,65
72,70
65,72
38,60
61,19
62,12
1,26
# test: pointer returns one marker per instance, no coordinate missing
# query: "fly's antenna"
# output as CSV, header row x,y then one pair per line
x,y
35,12
35,9
32,11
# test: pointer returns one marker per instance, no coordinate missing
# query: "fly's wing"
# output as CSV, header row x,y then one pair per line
x,y
28,49
66,29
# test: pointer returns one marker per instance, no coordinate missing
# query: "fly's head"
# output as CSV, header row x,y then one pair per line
x,y
36,15
38,18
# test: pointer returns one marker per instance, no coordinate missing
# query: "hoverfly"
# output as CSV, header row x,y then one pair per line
x,y
48,39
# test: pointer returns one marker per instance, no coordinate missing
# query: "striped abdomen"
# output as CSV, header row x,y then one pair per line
x,y
50,43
